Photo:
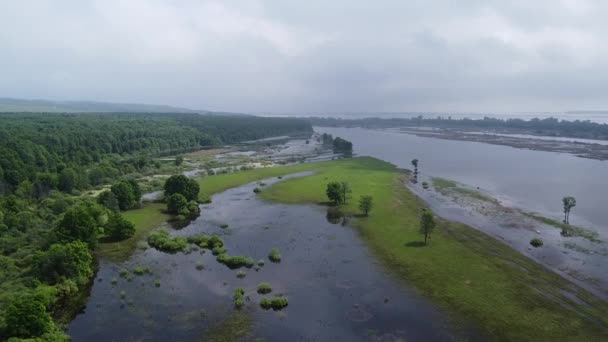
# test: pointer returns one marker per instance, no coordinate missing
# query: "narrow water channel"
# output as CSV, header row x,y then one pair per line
x,y
337,290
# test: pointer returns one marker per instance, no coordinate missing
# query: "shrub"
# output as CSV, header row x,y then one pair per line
x,y
123,273
257,190
141,270
264,288
274,255
206,241
425,185
161,241
223,226
157,282
218,250
241,274
200,265
239,298
261,262
236,261
536,242
275,303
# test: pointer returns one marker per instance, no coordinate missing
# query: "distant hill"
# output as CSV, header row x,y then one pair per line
x,y
23,105
50,106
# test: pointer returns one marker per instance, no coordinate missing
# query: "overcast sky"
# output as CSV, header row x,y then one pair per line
x,y
310,56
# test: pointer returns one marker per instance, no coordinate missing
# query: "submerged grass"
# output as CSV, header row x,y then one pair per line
x,y
449,187
234,328
264,288
274,255
235,261
567,229
277,302
471,274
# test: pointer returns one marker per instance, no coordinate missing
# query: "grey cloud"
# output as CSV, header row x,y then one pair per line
x,y
312,56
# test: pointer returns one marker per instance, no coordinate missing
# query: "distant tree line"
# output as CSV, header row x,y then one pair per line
x,y
73,151
549,126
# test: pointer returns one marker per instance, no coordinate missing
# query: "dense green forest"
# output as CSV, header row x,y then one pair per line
x,y
48,232
549,126
36,146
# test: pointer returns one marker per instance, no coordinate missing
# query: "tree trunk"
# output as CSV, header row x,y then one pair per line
x,y
425,236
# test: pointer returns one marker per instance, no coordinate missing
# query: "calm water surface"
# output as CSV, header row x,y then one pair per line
x,y
336,290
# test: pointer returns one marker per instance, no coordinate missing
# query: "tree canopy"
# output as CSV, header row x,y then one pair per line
x,y
183,185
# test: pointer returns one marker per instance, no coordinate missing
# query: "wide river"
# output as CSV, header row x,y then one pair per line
x,y
532,180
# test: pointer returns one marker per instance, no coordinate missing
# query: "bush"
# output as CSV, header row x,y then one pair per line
x,y
206,241
200,266
257,190
275,303
161,241
239,298
425,185
264,288
241,274
218,250
141,270
236,261
536,242
274,255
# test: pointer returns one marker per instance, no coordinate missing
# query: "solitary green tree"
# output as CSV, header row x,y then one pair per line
x,y
365,204
179,160
569,203
334,192
427,224
125,195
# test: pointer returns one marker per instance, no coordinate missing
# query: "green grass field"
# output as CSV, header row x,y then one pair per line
x,y
473,276
218,183
145,219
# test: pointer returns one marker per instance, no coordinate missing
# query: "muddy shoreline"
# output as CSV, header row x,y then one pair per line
x,y
588,150
575,258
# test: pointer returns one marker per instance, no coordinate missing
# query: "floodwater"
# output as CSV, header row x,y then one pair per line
x,y
336,289
531,180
